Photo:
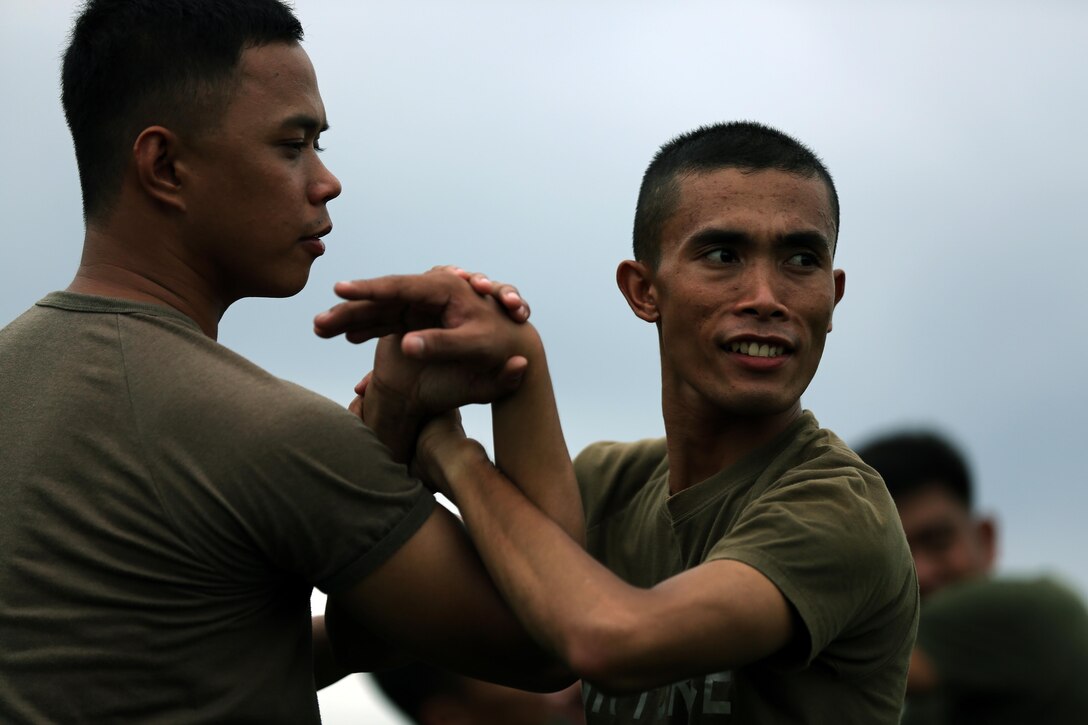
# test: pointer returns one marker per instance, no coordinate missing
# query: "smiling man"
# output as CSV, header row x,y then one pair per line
x,y
748,567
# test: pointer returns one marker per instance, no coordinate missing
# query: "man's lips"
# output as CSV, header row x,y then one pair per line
x,y
313,242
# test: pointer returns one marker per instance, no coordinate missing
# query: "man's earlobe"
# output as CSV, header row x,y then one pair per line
x,y
155,156
636,282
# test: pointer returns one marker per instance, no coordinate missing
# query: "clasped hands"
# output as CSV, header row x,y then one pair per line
x,y
448,338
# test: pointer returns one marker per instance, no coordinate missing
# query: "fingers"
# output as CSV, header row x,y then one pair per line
x,y
360,387
384,305
370,319
452,269
506,294
399,303
512,301
445,345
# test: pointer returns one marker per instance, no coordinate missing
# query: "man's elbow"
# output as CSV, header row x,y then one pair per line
x,y
604,649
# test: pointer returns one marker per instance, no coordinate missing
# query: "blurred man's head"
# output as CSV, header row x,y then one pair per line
x,y
431,696
931,484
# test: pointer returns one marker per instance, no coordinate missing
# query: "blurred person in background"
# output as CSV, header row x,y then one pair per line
x,y
429,695
990,649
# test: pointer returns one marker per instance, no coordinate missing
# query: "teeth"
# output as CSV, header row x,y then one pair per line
x,y
755,349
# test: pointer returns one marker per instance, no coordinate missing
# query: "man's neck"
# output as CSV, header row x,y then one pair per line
x,y
701,443
110,269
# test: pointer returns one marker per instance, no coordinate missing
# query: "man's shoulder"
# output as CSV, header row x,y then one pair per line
x,y
615,461
178,377
618,453
806,452
997,596
610,473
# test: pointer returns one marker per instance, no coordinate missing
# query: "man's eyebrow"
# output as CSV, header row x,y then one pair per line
x,y
808,239
306,122
719,236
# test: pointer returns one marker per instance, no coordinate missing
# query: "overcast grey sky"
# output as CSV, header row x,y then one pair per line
x,y
511,138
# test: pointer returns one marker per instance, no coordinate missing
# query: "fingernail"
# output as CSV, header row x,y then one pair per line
x,y
413,345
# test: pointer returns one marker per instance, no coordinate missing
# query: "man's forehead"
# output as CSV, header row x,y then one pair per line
x,y
932,501
728,191
278,81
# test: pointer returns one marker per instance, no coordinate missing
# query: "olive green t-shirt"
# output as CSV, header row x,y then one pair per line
x,y
807,513
1006,651
166,508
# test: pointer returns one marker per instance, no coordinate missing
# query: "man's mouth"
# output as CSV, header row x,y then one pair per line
x,y
756,349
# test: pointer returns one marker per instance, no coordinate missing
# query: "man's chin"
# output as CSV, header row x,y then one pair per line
x,y
760,405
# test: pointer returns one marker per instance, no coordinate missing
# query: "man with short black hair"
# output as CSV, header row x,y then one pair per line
x,y
748,567
990,650
166,506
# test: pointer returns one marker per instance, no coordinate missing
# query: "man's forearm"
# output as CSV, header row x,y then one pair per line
x,y
530,449
561,594
391,422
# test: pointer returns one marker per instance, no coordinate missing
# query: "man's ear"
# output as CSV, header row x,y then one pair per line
x,y
636,282
155,156
840,289
986,533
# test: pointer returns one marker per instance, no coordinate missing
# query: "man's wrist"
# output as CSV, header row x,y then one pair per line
x,y
392,419
462,461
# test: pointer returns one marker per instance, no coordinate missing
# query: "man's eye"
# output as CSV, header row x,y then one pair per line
x,y
721,256
804,259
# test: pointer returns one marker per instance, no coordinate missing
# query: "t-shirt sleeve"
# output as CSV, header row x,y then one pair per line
x,y
302,489
829,539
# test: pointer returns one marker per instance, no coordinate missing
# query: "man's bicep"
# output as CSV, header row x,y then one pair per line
x,y
433,599
714,617
732,614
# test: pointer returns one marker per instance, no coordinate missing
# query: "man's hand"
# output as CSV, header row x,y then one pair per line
x,y
446,342
505,294
407,303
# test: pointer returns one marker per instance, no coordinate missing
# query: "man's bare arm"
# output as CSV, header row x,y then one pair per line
x,y
469,349
713,617
432,600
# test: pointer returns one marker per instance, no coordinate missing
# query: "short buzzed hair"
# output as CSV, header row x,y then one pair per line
x,y
743,145
131,64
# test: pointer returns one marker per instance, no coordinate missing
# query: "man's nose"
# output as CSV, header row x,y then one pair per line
x,y
760,295
326,186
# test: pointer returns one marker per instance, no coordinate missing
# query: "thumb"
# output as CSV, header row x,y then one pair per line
x,y
513,372
439,344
